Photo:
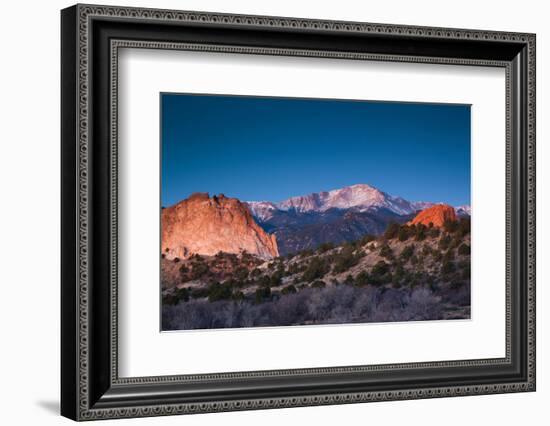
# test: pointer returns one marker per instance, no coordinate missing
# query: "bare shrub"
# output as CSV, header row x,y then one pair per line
x,y
329,305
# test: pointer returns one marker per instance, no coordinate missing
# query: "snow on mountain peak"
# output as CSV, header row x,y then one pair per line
x,y
361,197
261,210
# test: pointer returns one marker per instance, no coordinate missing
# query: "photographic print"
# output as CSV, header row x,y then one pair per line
x,y
292,211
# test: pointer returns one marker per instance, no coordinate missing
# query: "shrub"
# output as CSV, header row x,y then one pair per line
x,y
403,234
450,226
217,291
463,249
444,242
380,268
465,263
456,284
352,245
198,293
324,247
345,260
349,280
447,267
391,231
407,252
399,272
433,232
386,251
426,250
233,283
169,299
463,227
317,268
262,293
420,234
362,279
294,268
305,253
182,294
238,296
318,284
449,255
289,289
241,274
276,279
264,281
378,280
396,282
359,254
198,270
453,244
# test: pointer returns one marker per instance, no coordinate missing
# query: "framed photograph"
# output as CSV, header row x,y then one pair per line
x,y
263,212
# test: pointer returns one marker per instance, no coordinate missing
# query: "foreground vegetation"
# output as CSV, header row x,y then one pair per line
x,y
385,278
331,305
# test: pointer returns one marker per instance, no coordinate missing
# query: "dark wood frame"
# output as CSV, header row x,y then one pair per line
x,y
90,386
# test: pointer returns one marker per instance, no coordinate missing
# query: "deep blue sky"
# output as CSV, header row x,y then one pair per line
x,y
257,148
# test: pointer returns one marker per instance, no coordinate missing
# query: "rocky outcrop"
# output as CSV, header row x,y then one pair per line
x,y
436,215
207,225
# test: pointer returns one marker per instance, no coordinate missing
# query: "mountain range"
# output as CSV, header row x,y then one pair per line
x,y
208,225
360,197
344,214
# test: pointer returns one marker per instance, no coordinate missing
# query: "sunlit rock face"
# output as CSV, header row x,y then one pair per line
x,y
436,215
207,225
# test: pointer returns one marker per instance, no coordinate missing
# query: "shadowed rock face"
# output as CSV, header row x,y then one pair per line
x,y
437,215
204,225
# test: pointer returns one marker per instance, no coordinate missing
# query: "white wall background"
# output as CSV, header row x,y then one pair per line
x,y
29,213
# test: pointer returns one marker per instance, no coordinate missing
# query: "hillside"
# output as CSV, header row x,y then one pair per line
x,y
410,272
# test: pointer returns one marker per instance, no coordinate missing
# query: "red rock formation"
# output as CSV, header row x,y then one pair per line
x,y
204,225
437,215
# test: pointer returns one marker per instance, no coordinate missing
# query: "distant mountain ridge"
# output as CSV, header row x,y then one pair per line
x,y
360,197
344,214
206,225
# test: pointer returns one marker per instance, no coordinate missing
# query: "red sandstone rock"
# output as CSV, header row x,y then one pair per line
x,y
204,225
437,215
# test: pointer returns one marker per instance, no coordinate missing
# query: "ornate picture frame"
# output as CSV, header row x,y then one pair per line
x,y
91,37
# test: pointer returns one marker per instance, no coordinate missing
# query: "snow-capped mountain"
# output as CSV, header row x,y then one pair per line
x,y
262,210
360,197
464,210
344,214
